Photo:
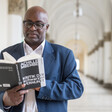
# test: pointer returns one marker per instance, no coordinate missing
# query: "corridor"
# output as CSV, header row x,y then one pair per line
x,y
85,27
96,98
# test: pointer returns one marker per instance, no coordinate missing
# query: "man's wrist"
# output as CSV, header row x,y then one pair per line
x,y
4,98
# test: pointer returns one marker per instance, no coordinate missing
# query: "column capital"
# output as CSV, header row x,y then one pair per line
x,y
94,49
16,6
107,36
101,43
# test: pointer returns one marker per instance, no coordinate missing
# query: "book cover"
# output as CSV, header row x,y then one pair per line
x,y
8,77
27,70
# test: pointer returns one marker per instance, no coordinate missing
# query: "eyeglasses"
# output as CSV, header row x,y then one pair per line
x,y
37,25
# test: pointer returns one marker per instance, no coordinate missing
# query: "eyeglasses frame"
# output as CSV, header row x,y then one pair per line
x,y
34,24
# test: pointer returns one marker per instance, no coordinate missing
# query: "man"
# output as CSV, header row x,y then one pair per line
x,y
62,80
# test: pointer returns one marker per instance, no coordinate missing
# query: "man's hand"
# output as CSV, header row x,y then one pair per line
x,y
13,96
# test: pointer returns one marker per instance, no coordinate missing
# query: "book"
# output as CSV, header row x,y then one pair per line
x,y
28,70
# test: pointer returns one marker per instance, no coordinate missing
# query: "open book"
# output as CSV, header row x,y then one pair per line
x,y
27,70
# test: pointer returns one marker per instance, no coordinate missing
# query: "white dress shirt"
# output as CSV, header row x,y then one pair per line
x,y
30,104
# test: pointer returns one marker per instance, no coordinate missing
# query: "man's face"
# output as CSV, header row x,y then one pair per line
x,y
35,33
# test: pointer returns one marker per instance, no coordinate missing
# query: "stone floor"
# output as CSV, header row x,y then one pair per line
x,y
96,98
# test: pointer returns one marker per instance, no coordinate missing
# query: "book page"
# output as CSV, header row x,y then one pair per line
x,y
5,61
8,57
28,57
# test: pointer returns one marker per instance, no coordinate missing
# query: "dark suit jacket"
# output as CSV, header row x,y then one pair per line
x,y
62,80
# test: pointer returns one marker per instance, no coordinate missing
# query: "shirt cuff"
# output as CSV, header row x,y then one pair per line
x,y
7,107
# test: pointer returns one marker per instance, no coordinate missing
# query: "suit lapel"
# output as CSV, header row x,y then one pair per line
x,y
19,51
48,55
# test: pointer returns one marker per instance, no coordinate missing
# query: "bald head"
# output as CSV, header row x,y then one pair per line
x,y
36,11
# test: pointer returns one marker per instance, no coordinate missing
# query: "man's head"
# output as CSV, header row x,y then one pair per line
x,y
35,25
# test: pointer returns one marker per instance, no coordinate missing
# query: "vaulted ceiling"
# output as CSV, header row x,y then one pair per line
x,y
90,27
65,28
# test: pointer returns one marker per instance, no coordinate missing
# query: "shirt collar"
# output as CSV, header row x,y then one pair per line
x,y
38,50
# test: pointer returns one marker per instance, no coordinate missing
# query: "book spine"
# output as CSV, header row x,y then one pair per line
x,y
19,77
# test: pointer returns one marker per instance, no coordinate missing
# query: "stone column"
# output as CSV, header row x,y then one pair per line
x,y
90,66
3,23
107,59
86,67
93,63
16,10
96,51
101,62
90,63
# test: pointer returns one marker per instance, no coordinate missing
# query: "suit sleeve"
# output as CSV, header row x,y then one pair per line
x,y
71,86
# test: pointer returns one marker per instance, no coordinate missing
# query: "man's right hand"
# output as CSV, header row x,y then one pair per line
x,y
14,96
